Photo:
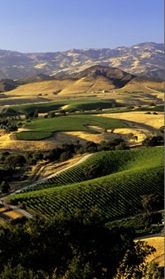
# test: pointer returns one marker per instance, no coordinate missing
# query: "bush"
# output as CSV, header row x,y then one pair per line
x,y
154,141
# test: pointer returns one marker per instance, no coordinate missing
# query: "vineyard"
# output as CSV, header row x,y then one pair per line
x,y
92,105
112,196
105,163
72,105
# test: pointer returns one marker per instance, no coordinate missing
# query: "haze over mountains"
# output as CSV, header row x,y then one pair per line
x,y
145,59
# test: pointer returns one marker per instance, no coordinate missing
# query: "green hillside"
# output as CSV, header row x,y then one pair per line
x,y
112,196
105,163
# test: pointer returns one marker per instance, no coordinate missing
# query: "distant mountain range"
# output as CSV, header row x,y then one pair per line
x,y
145,59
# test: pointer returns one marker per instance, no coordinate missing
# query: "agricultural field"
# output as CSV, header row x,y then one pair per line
x,y
85,104
116,161
44,128
116,193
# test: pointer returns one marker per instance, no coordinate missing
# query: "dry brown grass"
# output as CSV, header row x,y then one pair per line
x,y
155,121
35,88
88,86
129,134
46,170
8,141
135,92
85,136
158,244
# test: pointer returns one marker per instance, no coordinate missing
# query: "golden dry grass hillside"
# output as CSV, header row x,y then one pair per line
x,y
141,92
35,92
134,92
88,85
155,121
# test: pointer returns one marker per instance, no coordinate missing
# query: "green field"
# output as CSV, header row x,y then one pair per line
x,y
43,128
116,194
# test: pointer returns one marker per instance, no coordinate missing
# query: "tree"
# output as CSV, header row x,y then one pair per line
x,y
35,114
133,264
19,272
91,146
5,187
151,202
15,160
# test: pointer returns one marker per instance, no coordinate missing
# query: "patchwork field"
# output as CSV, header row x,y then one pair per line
x,y
44,128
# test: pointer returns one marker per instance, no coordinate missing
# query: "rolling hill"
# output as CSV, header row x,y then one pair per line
x,y
115,194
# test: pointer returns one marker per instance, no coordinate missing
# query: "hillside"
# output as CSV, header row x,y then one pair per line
x,y
96,81
114,195
141,59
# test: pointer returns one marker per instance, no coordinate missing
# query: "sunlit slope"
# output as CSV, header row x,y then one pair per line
x,y
112,196
51,87
108,162
134,92
155,121
88,85
142,91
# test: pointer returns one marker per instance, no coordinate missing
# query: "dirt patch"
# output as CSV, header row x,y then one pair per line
x,y
43,170
13,214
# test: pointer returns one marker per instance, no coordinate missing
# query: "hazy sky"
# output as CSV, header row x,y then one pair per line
x,y
52,25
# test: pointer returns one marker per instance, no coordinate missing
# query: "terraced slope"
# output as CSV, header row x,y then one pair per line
x,y
112,196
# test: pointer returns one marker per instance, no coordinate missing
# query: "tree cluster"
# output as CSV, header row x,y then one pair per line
x,y
8,125
68,249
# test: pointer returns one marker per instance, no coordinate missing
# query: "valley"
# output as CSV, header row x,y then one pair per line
x,y
86,149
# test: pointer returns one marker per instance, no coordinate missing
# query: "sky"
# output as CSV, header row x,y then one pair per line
x,y
57,25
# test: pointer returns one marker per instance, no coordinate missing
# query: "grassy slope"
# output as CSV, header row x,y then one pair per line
x,y
39,127
113,196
